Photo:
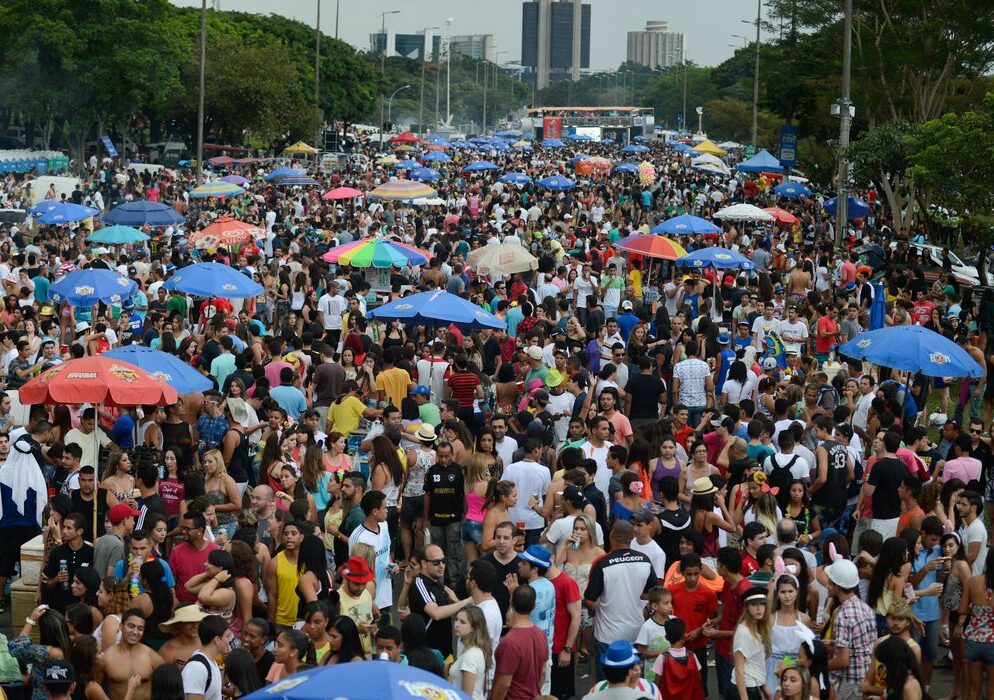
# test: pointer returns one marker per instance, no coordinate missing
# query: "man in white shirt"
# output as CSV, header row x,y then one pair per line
x,y
764,324
431,372
202,679
862,410
793,331
532,480
596,448
504,444
331,306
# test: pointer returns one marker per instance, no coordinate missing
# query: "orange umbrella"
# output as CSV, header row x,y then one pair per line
x,y
97,380
782,216
226,231
405,137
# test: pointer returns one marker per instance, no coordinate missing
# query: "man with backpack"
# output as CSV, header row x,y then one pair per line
x,y
202,679
785,466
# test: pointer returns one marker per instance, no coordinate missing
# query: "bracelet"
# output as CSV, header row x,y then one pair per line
x,y
29,621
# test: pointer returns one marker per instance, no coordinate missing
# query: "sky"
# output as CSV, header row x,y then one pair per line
x,y
709,26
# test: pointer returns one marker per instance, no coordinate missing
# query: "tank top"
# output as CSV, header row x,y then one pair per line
x,y
287,579
661,471
474,506
142,429
240,463
415,485
219,497
833,492
297,300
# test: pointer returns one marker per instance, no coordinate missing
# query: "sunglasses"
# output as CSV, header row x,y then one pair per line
x,y
436,562
976,432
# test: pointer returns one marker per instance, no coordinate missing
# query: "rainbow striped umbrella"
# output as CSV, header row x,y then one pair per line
x,y
402,189
376,252
218,188
651,246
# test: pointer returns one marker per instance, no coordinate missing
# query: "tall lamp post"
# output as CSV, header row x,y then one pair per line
x,y
200,97
845,122
421,98
383,62
317,77
448,69
390,101
755,77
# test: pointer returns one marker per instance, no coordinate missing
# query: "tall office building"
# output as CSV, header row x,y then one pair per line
x,y
656,47
419,46
554,46
478,46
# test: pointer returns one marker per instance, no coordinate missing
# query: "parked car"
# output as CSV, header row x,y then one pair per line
x,y
964,273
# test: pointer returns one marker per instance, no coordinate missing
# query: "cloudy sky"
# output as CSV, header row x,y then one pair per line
x,y
710,26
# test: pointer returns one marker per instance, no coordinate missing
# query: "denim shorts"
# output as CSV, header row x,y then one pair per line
x,y
929,642
472,531
979,652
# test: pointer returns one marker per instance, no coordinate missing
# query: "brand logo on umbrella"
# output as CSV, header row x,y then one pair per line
x,y
77,375
228,287
723,256
938,358
287,684
123,373
123,281
427,690
863,344
83,290
161,376
404,307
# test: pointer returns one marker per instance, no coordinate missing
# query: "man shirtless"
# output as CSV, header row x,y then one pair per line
x,y
185,641
130,657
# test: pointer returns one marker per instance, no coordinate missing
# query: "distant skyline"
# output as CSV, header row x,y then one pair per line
x,y
710,26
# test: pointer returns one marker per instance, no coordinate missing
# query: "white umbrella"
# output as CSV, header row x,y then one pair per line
x,y
503,259
710,163
743,212
429,202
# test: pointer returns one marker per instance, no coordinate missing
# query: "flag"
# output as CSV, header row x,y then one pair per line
x,y
775,348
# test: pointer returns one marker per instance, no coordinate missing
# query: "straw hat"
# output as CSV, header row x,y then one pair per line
x,y
187,613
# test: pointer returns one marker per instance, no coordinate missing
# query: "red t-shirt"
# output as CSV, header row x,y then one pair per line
x,y
186,562
749,564
731,610
567,591
922,311
694,608
826,325
463,385
521,654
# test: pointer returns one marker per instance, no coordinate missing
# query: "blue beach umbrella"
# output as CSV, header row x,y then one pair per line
x,y
556,183
626,168
213,279
686,225
913,349
142,212
161,365
359,680
721,258
479,166
282,172
424,174
514,179
878,307
434,308
117,235
436,157
61,212
858,209
791,189
405,165
634,148
92,285
553,143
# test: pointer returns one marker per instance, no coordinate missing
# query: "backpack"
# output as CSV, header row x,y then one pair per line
x,y
781,476
10,670
200,658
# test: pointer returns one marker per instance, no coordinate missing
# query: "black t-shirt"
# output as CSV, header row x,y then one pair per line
x,y
644,390
445,485
886,475
931,458
596,498
85,508
500,592
59,597
423,592
265,663
491,351
673,524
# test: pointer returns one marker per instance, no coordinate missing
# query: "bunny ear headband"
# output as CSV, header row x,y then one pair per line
x,y
789,570
766,488
833,553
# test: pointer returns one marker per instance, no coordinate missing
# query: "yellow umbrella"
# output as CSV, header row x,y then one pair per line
x,y
387,160
404,147
708,146
300,148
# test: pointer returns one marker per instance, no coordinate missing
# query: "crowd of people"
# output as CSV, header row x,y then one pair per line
x,y
630,487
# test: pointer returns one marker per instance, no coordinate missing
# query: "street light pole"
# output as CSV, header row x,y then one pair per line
x,y
383,63
845,122
421,99
317,76
755,78
486,73
390,102
448,69
200,97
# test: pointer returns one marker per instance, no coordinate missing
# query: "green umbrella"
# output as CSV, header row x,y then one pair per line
x,y
118,235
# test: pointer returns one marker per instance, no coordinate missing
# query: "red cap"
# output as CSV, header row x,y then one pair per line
x,y
357,570
121,512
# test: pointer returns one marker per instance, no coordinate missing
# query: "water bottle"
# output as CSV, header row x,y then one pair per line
x,y
384,656
134,587
64,566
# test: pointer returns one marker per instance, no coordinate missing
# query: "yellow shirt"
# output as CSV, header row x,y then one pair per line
x,y
636,277
394,383
287,579
360,610
344,416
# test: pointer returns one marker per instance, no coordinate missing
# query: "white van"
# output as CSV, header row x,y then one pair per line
x,y
63,186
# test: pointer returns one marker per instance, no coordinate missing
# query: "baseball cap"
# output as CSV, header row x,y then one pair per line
x,y
744,323
422,390
121,512
534,352
542,396
626,305
58,671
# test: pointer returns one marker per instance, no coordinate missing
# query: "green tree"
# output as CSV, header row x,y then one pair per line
x,y
879,157
953,158
665,93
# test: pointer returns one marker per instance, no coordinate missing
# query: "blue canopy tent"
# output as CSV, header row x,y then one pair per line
x,y
762,162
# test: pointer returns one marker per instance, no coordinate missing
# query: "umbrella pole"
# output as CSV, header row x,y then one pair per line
x,y
96,468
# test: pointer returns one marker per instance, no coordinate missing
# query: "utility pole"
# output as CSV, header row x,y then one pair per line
x,y
338,9
200,97
383,65
683,122
845,122
483,130
755,77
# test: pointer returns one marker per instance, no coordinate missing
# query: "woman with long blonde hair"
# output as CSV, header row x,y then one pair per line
x,y
222,491
477,481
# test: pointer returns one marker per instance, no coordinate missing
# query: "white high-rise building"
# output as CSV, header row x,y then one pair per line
x,y
656,47
477,46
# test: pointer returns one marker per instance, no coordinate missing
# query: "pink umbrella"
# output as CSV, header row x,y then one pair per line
x,y
342,193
